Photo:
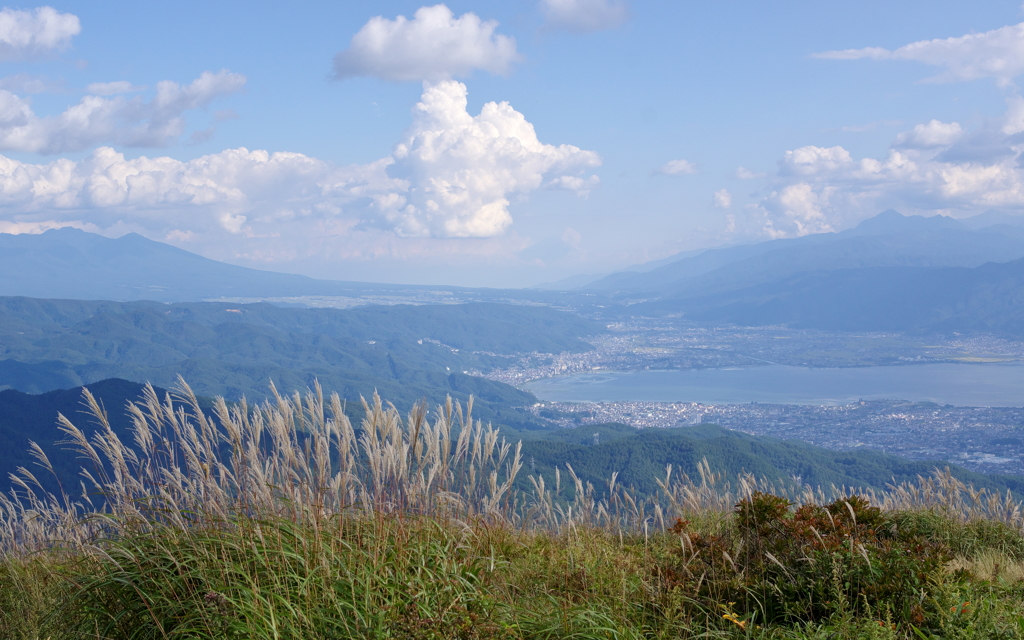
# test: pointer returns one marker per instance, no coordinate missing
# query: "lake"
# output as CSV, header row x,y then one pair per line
x,y
986,385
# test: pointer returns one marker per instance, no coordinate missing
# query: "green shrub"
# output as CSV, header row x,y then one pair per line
x,y
811,564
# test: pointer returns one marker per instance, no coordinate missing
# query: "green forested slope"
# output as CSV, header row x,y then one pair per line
x,y
405,352
33,417
640,456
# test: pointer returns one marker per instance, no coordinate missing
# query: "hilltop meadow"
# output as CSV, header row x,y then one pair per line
x,y
284,520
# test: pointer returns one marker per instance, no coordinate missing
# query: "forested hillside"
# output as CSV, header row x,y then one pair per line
x,y
640,457
405,352
26,418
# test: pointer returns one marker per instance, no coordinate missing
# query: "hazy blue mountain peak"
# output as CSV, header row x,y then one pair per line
x,y
891,221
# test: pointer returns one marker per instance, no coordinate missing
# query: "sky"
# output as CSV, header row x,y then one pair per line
x,y
501,144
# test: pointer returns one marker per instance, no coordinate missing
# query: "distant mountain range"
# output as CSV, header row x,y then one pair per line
x,y
944,300
890,273
886,240
70,263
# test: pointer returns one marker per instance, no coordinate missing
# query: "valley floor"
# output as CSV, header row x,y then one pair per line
x,y
642,343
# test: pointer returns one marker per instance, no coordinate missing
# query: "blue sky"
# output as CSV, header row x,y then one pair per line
x,y
501,144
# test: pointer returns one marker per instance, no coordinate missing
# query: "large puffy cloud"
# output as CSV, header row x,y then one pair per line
x,y
463,168
451,176
29,34
935,167
96,120
583,16
434,45
995,54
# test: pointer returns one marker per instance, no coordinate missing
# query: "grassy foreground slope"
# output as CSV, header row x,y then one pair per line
x,y
413,529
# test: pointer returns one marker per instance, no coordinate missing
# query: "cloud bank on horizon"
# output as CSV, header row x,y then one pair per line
x,y
451,176
935,167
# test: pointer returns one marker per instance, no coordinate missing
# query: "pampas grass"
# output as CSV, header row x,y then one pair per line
x,y
281,520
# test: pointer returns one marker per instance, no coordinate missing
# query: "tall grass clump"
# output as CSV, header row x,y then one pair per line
x,y
283,520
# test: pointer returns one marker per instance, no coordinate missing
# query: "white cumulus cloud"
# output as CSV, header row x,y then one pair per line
x,y
1013,121
107,183
29,34
811,160
451,175
677,168
723,199
462,168
434,45
120,120
584,16
995,54
935,167
796,210
929,136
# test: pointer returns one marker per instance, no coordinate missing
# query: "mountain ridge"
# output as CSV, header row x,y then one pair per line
x,y
75,264
984,299
887,239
